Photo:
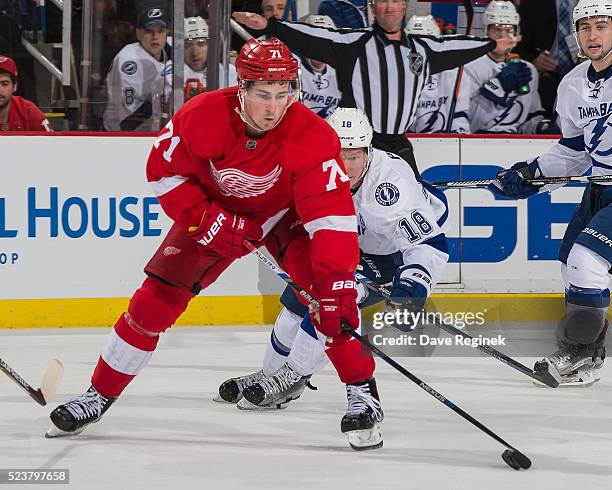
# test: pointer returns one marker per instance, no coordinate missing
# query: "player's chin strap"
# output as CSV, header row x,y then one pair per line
x,y
365,168
584,56
243,114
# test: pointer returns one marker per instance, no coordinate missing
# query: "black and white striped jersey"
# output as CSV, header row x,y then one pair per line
x,y
383,78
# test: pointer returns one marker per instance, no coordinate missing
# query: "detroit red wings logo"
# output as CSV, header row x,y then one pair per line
x,y
233,182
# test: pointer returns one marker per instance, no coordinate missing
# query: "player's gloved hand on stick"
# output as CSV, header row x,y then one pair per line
x,y
225,232
336,294
511,182
408,293
512,76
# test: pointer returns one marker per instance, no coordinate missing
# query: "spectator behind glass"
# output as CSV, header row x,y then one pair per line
x,y
17,113
10,45
548,43
351,14
274,8
502,91
196,57
136,69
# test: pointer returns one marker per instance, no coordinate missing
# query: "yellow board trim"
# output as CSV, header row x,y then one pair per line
x,y
103,312
258,310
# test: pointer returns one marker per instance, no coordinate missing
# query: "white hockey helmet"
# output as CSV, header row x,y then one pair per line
x,y
352,127
590,8
501,12
354,131
195,28
318,21
423,24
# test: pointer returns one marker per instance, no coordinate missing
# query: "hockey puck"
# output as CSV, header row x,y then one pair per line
x,y
516,460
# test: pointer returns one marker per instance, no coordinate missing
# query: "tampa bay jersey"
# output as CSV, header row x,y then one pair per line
x,y
320,91
584,105
434,105
398,213
130,81
522,112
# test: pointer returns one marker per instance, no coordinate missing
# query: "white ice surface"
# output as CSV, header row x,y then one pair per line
x,y
165,432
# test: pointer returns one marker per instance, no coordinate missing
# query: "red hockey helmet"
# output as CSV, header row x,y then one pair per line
x,y
268,60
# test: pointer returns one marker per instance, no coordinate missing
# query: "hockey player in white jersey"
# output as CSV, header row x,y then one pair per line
x,y
495,85
584,105
320,91
135,71
403,246
196,57
435,101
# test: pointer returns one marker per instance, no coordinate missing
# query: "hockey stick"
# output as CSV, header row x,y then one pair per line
x,y
546,377
511,456
50,382
461,184
469,11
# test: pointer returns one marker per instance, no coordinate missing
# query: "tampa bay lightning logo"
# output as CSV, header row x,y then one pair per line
x,y
601,127
320,82
431,83
387,194
594,89
129,67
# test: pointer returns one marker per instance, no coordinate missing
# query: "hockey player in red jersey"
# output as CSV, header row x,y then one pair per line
x,y
235,165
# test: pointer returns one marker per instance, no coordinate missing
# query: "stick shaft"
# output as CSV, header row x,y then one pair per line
x,y
36,395
438,396
487,349
458,184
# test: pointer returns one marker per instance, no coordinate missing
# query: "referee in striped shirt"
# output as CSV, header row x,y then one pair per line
x,y
380,68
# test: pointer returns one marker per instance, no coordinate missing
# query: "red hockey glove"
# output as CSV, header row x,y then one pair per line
x,y
224,232
337,297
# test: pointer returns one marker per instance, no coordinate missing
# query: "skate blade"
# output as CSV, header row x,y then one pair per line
x,y
366,439
217,398
585,376
54,432
244,404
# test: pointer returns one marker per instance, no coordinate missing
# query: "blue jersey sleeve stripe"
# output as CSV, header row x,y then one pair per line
x,y
576,143
416,266
601,165
439,242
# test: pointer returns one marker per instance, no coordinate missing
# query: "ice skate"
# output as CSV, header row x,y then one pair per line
x,y
274,391
71,418
361,423
230,391
576,364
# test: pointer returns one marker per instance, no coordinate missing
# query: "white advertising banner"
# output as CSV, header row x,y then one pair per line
x,y
78,220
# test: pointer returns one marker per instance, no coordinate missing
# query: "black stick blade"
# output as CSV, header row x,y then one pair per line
x,y
516,460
